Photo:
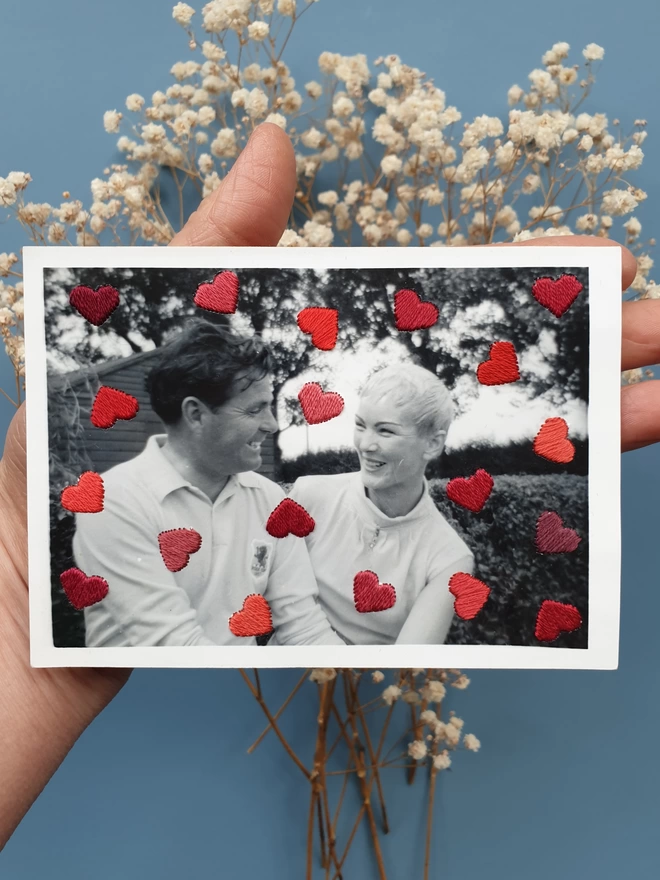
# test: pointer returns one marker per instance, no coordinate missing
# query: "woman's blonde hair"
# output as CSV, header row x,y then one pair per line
x,y
417,388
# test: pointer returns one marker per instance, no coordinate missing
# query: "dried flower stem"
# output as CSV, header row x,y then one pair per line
x,y
265,731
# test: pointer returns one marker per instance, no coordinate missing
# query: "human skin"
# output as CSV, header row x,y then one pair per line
x,y
44,711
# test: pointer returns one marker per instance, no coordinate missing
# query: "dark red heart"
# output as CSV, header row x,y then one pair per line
x,y
86,496
501,366
370,595
410,313
552,441
176,545
110,404
288,518
552,537
221,295
83,591
318,405
254,619
555,618
471,492
471,594
94,305
557,295
322,324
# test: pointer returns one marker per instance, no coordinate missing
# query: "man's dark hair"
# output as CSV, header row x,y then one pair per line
x,y
203,362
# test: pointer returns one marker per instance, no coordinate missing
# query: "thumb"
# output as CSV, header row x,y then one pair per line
x,y
13,500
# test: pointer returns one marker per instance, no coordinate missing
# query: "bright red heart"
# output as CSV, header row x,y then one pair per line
x,y
221,295
552,441
94,305
555,618
322,324
288,518
557,295
83,591
176,545
471,492
410,313
552,537
111,404
86,496
254,619
501,366
370,595
471,594
318,405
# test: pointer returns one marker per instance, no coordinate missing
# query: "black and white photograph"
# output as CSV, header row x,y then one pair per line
x,y
271,454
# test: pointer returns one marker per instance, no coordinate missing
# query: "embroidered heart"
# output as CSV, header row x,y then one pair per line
x,y
557,296
370,595
288,518
221,295
552,441
322,324
86,496
110,404
471,492
410,313
555,618
470,594
501,366
83,591
553,537
94,305
254,618
176,545
318,405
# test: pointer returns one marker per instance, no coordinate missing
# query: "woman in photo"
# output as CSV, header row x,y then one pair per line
x,y
382,520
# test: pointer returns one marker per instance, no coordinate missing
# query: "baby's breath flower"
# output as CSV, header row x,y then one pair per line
x,y
317,235
258,31
514,95
391,165
633,227
411,697
290,239
256,103
618,201
7,192
471,742
224,145
286,7
391,694
442,761
433,691
182,13
425,230
111,120
593,52
404,237
417,750
322,675
456,722
377,676
429,717
56,233
314,89
328,197
277,119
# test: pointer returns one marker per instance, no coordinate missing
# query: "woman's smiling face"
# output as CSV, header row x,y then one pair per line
x,y
391,450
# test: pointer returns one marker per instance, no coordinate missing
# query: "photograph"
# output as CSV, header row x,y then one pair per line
x,y
347,453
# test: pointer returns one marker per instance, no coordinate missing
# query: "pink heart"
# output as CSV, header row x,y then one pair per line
x,y
221,295
552,537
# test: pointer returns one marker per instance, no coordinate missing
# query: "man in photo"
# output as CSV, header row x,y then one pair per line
x,y
382,521
212,390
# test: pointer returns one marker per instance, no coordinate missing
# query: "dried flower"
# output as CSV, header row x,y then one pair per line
x,y
417,750
391,694
442,761
320,676
471,742
377,676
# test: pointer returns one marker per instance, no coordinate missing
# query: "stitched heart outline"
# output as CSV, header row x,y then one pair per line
x,y
370,595
552,441
254,619
471,492
86,496
322,324
83,591
110,405
557,295
412,313
501,368
470,594
220,295
555,618
319,405
289,518
176,547
95,306
552,536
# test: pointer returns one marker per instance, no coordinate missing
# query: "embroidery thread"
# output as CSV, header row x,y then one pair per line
x,y
370,595
322,324
81,590
221,295
412,313
471,492
553,537
254,619
86,496
95,306
552,441
176,547
501,368
555,618
110,404
557,295
319,405
470,594
289,518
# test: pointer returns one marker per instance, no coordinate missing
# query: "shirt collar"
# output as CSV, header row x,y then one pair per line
x,y
368,510
163,478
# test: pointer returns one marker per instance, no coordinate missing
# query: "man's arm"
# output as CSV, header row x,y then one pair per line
x,y
431,616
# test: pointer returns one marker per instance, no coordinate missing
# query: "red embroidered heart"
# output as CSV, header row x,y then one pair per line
x,y
323,324
557,296
288,518
471,594
83,591
318,405
111,404
254,618
370,595
176,545
551,441
471,492
501,366
552,537
410,313
555,618
95,305
86,496
221,295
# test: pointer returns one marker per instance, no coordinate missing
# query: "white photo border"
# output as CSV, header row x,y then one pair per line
x,y
604,266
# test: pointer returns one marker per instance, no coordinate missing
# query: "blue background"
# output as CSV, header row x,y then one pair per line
x,y
566,784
